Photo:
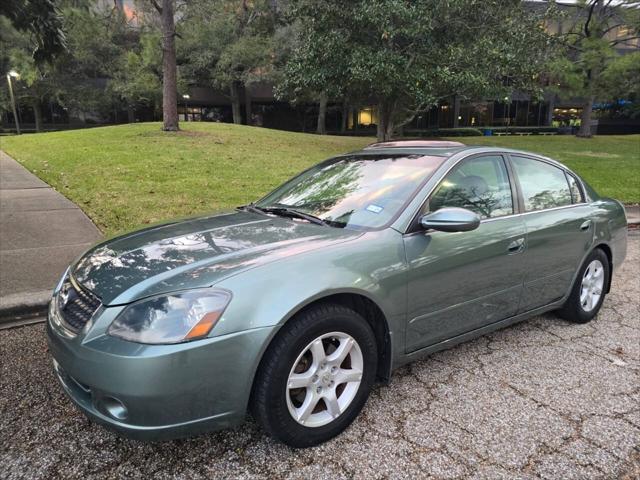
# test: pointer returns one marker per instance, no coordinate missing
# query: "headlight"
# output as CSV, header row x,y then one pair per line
x,y
61,281
174,318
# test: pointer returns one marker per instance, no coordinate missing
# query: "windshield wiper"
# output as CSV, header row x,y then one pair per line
x,y
288,212
251,208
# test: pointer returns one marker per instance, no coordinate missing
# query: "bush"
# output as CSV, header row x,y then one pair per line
x,y
447,132
476,132
532,130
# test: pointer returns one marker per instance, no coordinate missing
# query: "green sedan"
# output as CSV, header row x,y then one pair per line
x,y
290,308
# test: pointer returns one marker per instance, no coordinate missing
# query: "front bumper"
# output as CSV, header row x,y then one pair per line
x,y
166,391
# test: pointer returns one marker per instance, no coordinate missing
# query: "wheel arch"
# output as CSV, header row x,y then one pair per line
x,y
374,316
363,304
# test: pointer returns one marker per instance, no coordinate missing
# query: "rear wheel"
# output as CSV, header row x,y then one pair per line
x,y
588,291
316,376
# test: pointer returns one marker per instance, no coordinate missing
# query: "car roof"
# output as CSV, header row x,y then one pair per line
x,y
442,149
415,144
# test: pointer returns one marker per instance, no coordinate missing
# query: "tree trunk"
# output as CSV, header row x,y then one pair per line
x,y
235,103
456,111
169,69
247,106
549,120
585,118
386,127
354,112
37,113
345,115
380,127
131,117
322,115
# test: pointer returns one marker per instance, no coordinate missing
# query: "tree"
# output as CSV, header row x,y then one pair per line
x,y
137,78
169,66
42,21
97,40
100,48
228,44
621,77
595,32
407,56
36,79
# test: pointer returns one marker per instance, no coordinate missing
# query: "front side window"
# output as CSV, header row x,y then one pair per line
x,y
480,184
356,191
543,185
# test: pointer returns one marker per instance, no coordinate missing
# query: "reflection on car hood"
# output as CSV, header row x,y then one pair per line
x,y
194,253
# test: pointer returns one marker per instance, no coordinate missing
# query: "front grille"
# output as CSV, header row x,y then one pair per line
x,y
76,305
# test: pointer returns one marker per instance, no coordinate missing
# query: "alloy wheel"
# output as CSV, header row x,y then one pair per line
x,y
592,285
324,379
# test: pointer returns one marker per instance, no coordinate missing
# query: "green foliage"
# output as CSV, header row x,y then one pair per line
x,y
226,41
37,80
452,132
75,79
41,21
409,55
622,81
109,63
534,130
591,67
137,78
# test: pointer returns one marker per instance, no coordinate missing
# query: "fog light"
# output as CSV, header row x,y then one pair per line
x,y
114,408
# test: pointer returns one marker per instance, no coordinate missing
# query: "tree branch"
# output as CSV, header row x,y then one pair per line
x,y
587,32
622,40
156,6
611,28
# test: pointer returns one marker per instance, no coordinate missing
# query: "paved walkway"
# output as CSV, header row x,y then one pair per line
x,y
633,214
41,232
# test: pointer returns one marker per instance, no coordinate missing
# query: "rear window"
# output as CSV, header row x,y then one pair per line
x,y
576,191
543,185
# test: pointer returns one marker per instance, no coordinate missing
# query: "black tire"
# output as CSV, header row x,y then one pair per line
x,y
572,309
269,396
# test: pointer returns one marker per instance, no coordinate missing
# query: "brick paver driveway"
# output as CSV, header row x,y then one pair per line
x,y
541,399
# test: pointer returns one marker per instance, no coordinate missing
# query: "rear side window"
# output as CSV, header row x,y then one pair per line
x,y
543,185
576,193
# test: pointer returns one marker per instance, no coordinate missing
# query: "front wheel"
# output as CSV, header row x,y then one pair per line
x,y
588,291
316,376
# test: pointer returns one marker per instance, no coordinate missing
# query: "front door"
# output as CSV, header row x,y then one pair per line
x,y
462,281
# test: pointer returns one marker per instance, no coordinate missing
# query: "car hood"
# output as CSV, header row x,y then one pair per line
x,y
195,253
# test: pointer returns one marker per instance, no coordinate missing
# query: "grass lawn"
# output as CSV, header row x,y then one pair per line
x,y
130,175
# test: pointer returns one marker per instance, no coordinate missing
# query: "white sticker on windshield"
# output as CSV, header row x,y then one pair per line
x,y
375,208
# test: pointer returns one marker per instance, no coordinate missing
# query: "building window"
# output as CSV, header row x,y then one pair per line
x,y
367,117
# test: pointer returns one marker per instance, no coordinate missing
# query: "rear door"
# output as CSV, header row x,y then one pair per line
x,y
458,282
559,229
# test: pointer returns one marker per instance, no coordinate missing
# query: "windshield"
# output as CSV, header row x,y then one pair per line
x,y
356,191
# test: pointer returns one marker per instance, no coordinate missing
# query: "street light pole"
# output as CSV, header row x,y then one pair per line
x,y
186,106
14,74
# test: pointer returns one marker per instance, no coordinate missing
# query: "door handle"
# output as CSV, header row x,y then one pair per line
x,y
516,246
585,225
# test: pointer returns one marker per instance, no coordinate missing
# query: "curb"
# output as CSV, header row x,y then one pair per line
x,y
20,307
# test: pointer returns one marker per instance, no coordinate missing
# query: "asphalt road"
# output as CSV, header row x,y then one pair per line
x,y
541,399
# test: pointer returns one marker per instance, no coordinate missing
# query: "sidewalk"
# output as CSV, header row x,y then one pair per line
x,y
633,214
41,232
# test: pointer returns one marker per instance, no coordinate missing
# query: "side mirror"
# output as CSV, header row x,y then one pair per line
x,y
451,219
